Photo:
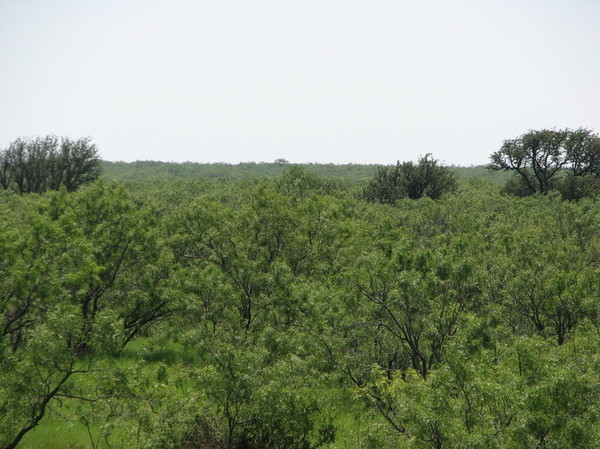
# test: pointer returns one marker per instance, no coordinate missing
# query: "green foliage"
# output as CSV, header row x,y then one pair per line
x,y
146,173
409,180
290,313
573,187
37,165
539,158
77,285
413,301
145,170
523,394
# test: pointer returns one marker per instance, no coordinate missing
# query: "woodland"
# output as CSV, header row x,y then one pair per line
x,y
297,309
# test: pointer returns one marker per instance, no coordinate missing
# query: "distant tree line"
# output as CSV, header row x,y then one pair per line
x,y
541,161
35,165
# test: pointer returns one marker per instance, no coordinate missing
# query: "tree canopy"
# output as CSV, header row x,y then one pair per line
x,y
293,314
34,165
539,158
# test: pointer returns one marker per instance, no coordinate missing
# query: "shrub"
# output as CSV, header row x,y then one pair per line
x,y
409,180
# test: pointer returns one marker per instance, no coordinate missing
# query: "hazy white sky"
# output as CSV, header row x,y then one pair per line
x,y
369,81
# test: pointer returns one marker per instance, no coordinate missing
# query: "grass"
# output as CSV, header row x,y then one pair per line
x,y
167,352
56,433
61,429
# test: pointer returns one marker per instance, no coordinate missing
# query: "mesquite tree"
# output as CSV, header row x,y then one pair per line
x,y
539,157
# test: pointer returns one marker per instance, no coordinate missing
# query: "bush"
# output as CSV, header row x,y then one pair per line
x,y
517,187
577,187
409,180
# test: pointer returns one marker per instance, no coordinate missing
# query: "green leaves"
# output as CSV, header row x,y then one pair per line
x,y
408,180
518,395
78,284
40,164
468,322
538,158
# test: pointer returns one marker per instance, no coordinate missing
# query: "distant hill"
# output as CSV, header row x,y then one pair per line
x,y
147,170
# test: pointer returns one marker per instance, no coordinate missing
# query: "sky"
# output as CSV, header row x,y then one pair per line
x,y
324,81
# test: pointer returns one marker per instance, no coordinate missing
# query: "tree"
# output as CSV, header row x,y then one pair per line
x,y
538,158
82,277
525,394
409,180
240,274
44,163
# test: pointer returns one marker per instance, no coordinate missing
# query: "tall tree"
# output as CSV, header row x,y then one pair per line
x,y
538,157
44,163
